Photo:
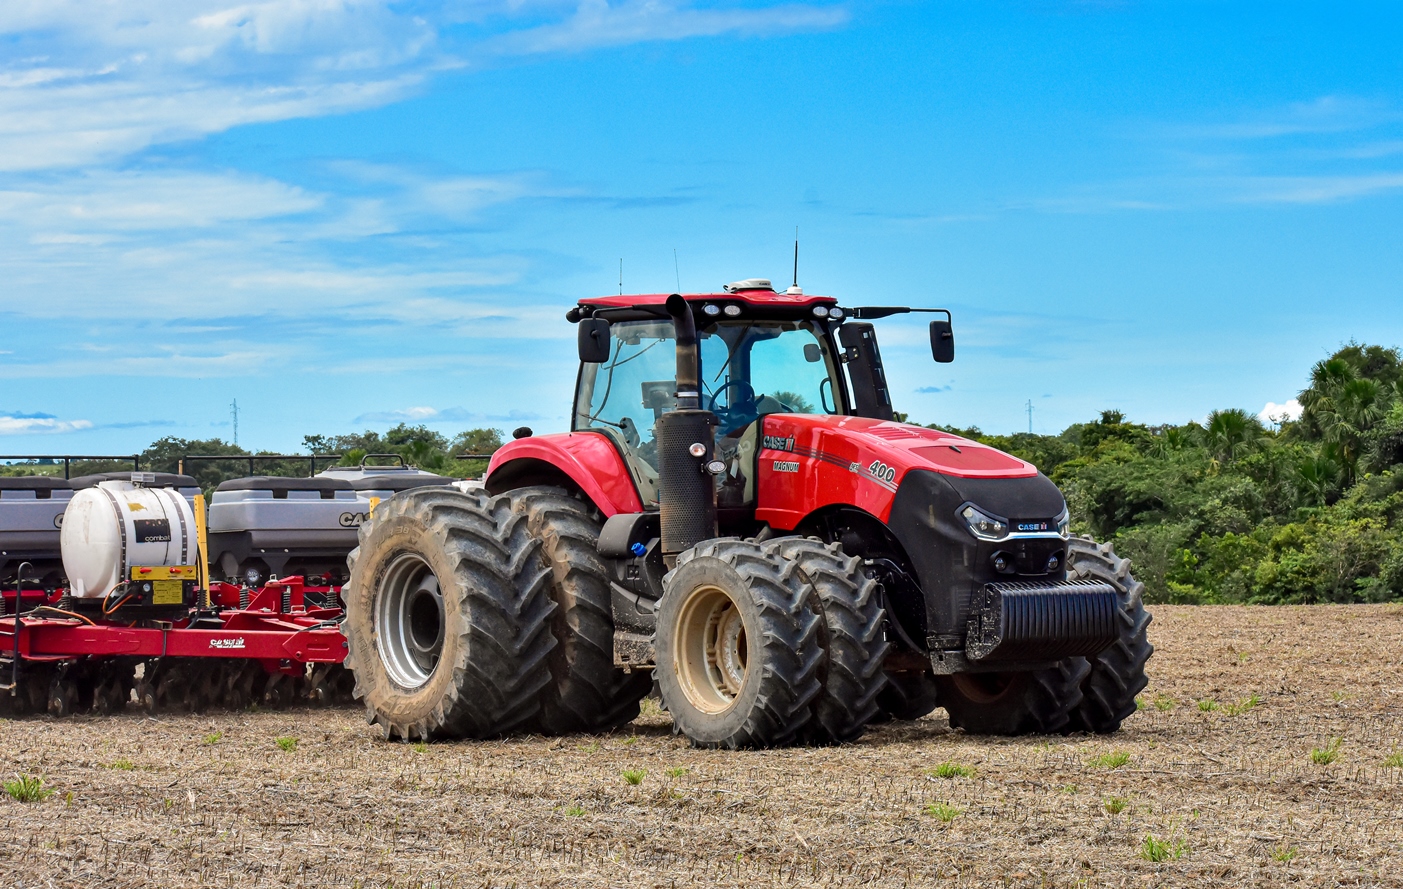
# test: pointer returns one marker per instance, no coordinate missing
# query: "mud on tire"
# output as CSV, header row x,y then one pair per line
x,y
738,646
477,666
852,635
587,693
1118,673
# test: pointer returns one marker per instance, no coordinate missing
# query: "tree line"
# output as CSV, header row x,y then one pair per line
x,y
1232,510
416,445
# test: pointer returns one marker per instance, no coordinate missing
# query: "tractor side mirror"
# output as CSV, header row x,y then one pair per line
x,y
942,342
594,340
812,353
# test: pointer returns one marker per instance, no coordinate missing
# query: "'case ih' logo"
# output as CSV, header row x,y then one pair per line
x,y
236,642
778,443
352,519
1032,526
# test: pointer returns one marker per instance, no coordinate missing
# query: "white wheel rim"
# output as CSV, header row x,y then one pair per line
x,y
710,653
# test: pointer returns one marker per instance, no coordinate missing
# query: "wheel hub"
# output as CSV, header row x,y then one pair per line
x,y
711,651
410,621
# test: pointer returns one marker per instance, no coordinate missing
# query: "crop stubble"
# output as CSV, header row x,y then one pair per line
x,y
150,802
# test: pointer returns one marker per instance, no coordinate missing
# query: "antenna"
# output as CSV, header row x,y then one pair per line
x,y
676,270
796,256
1030,416
794,288
234,410
621,276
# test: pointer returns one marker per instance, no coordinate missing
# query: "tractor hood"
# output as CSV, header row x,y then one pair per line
x,y
916,481
899,447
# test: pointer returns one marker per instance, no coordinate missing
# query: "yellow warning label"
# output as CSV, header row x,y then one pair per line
x,y
171,572
167,592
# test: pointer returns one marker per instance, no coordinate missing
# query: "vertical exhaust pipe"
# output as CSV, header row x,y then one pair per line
x,y
686,439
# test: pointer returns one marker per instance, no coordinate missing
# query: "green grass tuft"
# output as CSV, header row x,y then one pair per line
x,y
950,770
1208,705
1114,805
943,812
676,772
575,811
1242,706
122,765
1324,756
1283,853
288,744
635,776
1394,760
420,747
213,738
1162,850
1113,760
1164,703
28,788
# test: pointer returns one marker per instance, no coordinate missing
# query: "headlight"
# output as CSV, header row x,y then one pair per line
x,y
983,526
1063,521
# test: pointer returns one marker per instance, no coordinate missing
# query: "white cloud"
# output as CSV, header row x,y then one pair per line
x,y
1274,413
101,80
447,415
598,23
30,424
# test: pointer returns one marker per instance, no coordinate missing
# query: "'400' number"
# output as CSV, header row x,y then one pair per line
x,y
881,471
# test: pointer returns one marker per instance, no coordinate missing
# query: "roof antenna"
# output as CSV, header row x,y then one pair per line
x,y
621,276
795,288
676,270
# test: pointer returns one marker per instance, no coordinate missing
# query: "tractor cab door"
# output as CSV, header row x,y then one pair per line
x,y
753,369
624,396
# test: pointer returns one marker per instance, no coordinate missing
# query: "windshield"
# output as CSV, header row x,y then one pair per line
x,y
748,369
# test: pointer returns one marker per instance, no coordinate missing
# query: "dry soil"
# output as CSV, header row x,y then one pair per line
x,y
1217,769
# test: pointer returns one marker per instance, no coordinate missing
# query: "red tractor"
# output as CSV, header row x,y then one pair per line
x,y
736,515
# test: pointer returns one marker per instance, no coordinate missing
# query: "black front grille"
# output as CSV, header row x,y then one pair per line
x,y
1041,621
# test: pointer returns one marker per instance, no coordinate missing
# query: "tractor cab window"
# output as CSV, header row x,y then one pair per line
x,y
752,369
628,393
748,369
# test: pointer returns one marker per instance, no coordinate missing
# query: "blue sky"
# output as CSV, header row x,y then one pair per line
x,y
347,214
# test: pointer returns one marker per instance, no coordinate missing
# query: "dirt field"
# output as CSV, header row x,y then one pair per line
x,y
215,801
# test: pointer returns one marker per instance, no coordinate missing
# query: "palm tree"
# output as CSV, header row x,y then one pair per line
x,y
1318,477
1346,412
1232,433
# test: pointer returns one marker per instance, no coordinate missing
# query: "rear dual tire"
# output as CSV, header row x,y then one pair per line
x,y
448,614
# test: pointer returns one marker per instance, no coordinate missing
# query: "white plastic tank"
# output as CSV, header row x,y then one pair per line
x,y
115,526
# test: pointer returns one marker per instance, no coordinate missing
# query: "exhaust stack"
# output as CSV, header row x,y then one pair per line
x,y
686,439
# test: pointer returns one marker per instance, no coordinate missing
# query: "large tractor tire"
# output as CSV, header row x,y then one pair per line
x,y
1029,702
1118,673
852,635
909,695
738,645
448,616
587,692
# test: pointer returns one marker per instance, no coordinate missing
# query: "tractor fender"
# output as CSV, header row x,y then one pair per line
x,y
587,461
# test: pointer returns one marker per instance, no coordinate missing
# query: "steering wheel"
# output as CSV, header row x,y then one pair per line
x,y
741,409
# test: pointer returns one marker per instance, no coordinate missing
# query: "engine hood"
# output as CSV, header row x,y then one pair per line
x,y
901,447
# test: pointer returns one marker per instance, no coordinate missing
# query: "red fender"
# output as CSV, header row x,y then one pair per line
x,y
588,458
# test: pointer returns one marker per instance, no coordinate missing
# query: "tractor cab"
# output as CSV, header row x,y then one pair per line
x,y
759,353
